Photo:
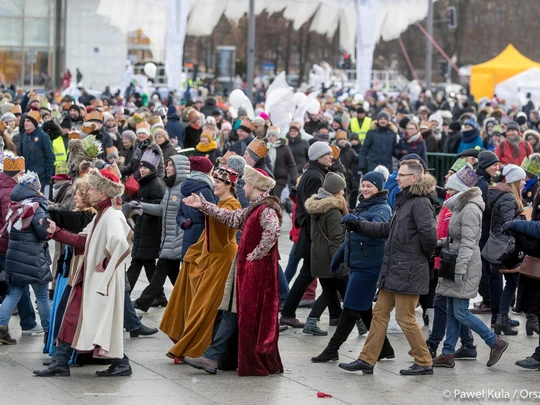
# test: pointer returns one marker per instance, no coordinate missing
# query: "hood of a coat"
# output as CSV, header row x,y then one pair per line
x,y
194,184
390,127
181,164
496,190
315,205
21,192
457,202
424,187
6,182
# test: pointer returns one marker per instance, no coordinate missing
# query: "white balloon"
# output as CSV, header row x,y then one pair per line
x,y
299,98
359,97
314,107
366,105
237,98
150,70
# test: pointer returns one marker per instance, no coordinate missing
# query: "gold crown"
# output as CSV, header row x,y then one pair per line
x,y
192,114
34,97
16,109
143,126
335,152
89,127
258,147
2,126
14,164
341,134
248,124
35,115
74,135
156,121
66,106
94,115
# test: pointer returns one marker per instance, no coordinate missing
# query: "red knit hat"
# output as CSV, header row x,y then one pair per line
x,y
109,175
200,164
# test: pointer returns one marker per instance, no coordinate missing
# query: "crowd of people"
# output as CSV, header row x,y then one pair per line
x,y
94,190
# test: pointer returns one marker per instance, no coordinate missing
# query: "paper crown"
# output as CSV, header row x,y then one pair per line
x,y
341,135
16,109
35,115
226,175
226,157
74,135
531,164
34,97
192,114
95,115
151,158
335,152
2,126
273,130
247,125
91,146
89,127
66,106
156,122
143,127
258,147
97,103
14,163
458,164
296,125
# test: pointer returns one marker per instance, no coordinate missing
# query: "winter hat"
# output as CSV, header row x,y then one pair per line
x,y
334,183
455,126
247,125
512,173
383,170
264,116
414,156
257,150
512,125
318,150
375,178
107,116
237,163
472,152
403,122
341,135
8,117
531,165
13,164
7,107
112,154
383,114
31,180
259,121
458,164
226,175
258,178
273,130
471,123
296,125
129,135
226,125
521,118
200,164
66,123
463,179
486,158
105,181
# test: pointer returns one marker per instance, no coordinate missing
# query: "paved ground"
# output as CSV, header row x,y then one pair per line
x,y
156,380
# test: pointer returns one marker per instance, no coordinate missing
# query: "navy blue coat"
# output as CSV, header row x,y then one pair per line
x,y
378,147
363,255
27,258
192,234
36,148
174,127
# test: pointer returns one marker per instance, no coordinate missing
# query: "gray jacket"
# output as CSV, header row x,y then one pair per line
x,y
171,234
465,230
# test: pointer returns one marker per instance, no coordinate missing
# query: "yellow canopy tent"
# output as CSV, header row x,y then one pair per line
x,y
485,76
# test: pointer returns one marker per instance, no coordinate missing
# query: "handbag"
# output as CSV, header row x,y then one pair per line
x,y
447,267
343,270
497,245
131,188
530,267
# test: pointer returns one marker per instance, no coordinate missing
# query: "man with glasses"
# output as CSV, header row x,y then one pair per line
x,y
411,240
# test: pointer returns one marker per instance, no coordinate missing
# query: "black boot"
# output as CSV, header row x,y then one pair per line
x,y
502,326
387,351
118,368
532,325
54,370
325,357
143,331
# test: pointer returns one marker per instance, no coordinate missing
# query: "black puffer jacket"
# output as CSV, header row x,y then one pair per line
x,y
483,183
284,169
299,148
411,239
27,257
134,163
147,234
503,205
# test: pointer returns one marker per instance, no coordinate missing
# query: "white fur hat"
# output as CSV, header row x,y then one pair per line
x,y
258,178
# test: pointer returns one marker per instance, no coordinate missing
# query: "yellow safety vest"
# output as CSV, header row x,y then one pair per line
x,y
60,156
361,130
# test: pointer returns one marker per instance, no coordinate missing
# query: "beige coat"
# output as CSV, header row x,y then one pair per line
x,y
229,296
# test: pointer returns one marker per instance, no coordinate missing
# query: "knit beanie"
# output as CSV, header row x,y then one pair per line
x,y
200,164
226,125
129,135
8,117
31,180
463,179
383,114
334,183
512,173
318,150
512,125
471,123
237,163
66,123
455,126
375,178
486,158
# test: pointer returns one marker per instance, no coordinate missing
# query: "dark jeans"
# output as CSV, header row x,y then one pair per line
x,y
426,301
483,289
27,315
508,292
536,354
495,290
131,320
292,265
302,282
283,285
329,297
135,270
164,268
225,332
439,326
63,353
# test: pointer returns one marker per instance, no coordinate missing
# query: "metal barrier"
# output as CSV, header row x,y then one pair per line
x,y
441,163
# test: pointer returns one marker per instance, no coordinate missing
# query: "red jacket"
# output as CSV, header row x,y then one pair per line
x,y
505,152
6,186
442,228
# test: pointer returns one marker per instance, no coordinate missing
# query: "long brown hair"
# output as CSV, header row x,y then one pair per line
x,y
343,201
516,192
8,143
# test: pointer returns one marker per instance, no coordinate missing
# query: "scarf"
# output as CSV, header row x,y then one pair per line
x,y
21,213
528,184
169,180
272,152
515,145
413,138
195,127
143,144
470,136
322,194
202,178
209,147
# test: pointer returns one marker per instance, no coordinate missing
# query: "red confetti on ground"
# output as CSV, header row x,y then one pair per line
x,y
321,394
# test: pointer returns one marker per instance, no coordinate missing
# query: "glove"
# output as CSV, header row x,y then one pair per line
x,y
348,217
186,224
351,223
135,204
459,279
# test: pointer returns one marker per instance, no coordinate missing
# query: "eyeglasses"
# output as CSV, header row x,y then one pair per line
x,y
405,174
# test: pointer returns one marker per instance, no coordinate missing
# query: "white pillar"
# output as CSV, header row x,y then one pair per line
x,y
365,42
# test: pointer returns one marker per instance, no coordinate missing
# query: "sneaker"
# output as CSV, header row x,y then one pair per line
x,y
36,330
444,360
306,304
497,350
530,363
465,353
